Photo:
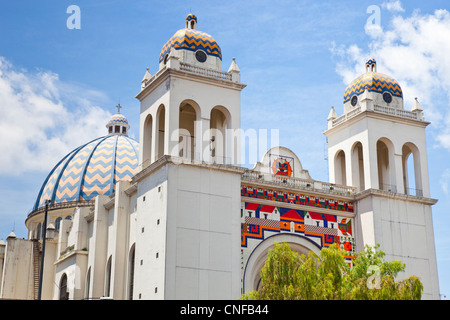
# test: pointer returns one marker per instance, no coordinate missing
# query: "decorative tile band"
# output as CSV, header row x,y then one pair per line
x,y
296,198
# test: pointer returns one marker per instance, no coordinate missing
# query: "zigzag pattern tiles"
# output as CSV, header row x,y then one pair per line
x,y
91,170
375,82
192,40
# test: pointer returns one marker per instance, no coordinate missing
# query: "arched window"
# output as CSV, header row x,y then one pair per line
x,y
39,231
63,293
160,134
340,174
385,163
108,278
131,272
147,140
219,123
58,223
358,166
187,117
412,173
88,284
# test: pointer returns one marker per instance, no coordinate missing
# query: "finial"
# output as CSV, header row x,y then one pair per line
x,y
332,115
416,106
119,107
234,67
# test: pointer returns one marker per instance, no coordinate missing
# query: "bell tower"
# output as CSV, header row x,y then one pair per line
x,y
380,148
191,108
372,144
188,188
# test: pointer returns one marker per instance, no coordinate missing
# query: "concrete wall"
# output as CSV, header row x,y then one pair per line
x,y
188,234
18,272
404,230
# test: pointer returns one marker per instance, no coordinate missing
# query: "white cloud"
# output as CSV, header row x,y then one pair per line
x,y
415,51
43,118
444,181
393,6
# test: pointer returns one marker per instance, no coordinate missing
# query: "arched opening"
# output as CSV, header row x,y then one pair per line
x,y
252,277
340,173
58,223
147,140
385,165
108,277
187,131
38,231
412,175
63,293
358,166
131,265
160,131
219,123
88,284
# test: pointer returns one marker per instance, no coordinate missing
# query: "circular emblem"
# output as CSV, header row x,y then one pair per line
x,y
281,167
200,56
354,100
387,97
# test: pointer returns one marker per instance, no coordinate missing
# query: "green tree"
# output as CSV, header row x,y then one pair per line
x,y
286,275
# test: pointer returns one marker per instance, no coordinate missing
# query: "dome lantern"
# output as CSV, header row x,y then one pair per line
x,y
191,22
371,65
118,123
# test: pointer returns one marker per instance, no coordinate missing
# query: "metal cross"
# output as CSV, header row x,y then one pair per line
x,y
118,108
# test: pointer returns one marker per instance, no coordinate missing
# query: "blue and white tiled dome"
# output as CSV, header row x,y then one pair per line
x,y
118,118
91,169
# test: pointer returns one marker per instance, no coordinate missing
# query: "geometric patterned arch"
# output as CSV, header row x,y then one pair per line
x,y
258,256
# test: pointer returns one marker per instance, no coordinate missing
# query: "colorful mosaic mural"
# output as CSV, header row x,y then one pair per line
x,y
259,221
296,198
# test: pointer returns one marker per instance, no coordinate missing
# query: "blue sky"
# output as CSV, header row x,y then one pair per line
x,y
58,86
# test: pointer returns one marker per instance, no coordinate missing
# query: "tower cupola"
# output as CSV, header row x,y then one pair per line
x,y
118,123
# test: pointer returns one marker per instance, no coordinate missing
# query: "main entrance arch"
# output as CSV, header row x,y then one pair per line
x,y
256,260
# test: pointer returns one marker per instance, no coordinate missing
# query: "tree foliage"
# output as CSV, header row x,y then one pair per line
x,y
286,275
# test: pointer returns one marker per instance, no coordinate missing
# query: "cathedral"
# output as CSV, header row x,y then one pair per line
x,y
175,215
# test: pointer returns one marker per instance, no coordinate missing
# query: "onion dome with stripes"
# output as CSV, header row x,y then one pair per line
x,y
90,170
373,82
191,39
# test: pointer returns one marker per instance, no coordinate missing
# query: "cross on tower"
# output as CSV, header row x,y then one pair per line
x,y
118,108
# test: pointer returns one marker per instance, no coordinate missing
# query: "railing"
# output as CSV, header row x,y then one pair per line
x,y
388,187
205,71
414,192
380,109
346,116
396,112
299,183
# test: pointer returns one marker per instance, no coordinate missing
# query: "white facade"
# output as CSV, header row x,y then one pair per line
x,y
368,148
193,224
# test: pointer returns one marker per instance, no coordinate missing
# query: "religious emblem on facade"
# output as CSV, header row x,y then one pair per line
x,y
282,167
